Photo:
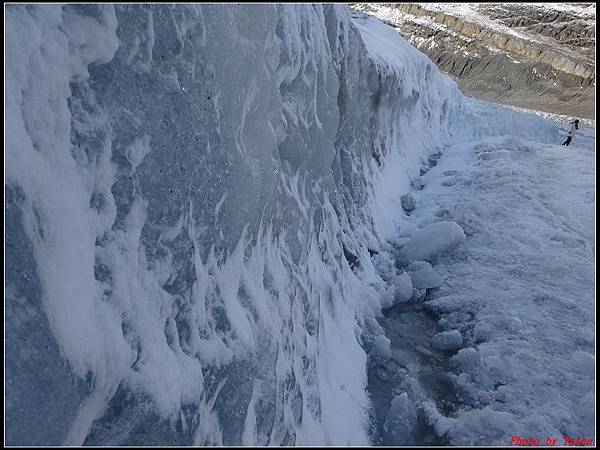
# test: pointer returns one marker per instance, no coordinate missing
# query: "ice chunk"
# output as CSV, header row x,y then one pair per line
x,y
465,360
384,264
423,276
403,288
452,303
401,422
408,202
387,295
440,423
447,340
433,240
381,351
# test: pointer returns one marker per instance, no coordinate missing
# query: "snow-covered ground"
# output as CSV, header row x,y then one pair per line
x,y
520,290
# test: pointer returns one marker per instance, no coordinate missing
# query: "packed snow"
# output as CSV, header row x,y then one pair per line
x,y
204,227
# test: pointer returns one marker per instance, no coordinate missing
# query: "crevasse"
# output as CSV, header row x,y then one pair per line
x,y
192,193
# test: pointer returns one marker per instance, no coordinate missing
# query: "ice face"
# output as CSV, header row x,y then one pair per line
x,y
191,195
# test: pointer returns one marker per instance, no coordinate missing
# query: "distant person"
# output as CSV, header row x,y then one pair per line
x,y
573,126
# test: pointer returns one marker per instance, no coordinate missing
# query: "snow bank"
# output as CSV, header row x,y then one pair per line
x,y
520,291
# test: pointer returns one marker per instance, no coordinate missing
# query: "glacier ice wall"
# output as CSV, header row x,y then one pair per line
x,y
192,193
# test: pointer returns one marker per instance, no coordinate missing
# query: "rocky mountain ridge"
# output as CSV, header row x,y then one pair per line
x,y
536,56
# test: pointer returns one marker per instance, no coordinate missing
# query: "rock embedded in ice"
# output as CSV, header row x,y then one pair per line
x,y
425,351
447,340
433,160
423,276
408,202
403,288
400,425
417,184
434,239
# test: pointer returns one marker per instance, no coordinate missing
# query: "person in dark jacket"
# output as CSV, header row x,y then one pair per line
x,y
573,127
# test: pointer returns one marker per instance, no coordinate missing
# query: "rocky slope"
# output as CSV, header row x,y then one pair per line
x,y
536,56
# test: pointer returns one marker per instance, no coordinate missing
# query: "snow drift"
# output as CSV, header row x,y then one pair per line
x,y
192,195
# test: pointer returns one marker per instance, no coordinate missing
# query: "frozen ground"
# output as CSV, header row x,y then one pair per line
x,y
520,291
